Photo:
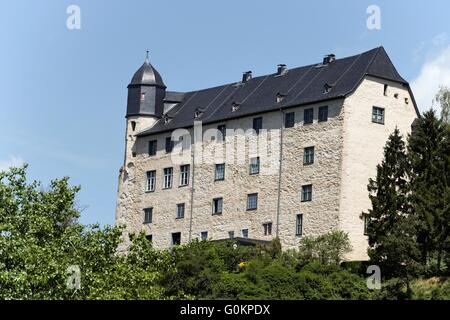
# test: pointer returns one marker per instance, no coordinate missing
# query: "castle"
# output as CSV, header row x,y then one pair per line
x,y
287,154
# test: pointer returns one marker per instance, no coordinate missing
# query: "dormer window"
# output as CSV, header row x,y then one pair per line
x,y
142,96
198,113
235,107
327,88
167,119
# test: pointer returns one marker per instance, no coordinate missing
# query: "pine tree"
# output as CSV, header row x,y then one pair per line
x,y
429,152
391,228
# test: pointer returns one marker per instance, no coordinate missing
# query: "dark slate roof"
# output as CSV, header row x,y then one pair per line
x,y
303,85
147,75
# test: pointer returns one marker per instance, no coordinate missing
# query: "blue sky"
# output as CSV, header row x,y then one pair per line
x,y
63,92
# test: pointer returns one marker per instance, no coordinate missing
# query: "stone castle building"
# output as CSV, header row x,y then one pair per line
x,y
287,154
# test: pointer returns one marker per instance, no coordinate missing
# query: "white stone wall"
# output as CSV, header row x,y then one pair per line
x,y
363,150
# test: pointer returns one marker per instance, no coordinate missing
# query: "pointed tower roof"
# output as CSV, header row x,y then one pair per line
x,y
147,75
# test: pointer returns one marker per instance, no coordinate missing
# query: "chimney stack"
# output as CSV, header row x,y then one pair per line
x,y
246,76
281,70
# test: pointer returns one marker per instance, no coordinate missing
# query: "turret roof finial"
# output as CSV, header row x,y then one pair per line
x,y
146,57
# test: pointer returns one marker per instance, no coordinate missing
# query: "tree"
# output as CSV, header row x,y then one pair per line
x,y
443,99
329,248
391,229
43,246
429,151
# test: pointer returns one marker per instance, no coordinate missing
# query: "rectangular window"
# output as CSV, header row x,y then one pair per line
x,y
184,175
252,201
307,193
204,235
152,147
244,233
289,120
222,132
254,165
366,224
257,124
151,181
169,144
299,225
220,171
168,173
217,206
180,210
267,228
308,115
230,234
323,113
308,156
378,115
176,238
148,215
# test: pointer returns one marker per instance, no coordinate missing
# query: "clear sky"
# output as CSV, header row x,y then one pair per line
x,y
63,92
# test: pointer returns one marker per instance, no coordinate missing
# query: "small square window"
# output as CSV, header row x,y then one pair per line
x,y
257,124
267,228
323,114
230,234
308,115
252,201
299,225
148,215
244,233
149,237
180,210
307,193
289,120
169,144
176,238
152,147
378,115
254,165
217,206
220,172
308,156
204,235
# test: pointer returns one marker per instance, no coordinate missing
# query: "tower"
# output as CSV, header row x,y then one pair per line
x,y
145,105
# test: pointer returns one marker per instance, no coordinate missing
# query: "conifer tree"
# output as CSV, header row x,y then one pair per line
x,y
429,152
391,228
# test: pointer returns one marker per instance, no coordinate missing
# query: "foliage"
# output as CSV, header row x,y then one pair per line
x,y
329,248
443,99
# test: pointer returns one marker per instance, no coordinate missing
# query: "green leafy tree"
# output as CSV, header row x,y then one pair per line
x,y
329,248
391,230
443,99
429,151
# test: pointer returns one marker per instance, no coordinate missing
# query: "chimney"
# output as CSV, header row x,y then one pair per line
x,y
281,70
246,76
329,59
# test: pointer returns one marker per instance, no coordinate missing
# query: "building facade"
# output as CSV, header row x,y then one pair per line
x,y
287,154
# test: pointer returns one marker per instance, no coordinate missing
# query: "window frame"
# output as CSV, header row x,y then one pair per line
x,y
148,215
152,147
251,166
148,181
169,144
242,233
257,124
168,178
267,226
178,215
222,128
215,206
308,157
304,191
184,175
321,117
299,225
375,115
202,234
216,171
289,122
249,196
172,238
307,120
